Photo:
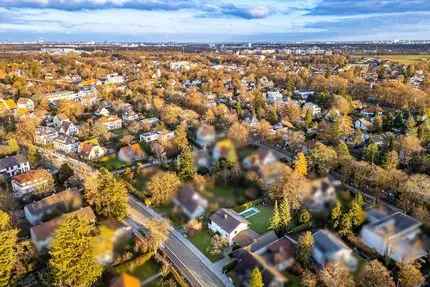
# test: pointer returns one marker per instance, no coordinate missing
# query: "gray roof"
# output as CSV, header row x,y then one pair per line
x,y
189,199
62,201
227,219
394,224
327,242
11,161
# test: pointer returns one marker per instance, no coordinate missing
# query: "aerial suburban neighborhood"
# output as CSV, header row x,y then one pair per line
x,y
231,166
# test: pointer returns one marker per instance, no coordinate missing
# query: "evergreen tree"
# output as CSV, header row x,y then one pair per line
x,y
73,263
345,226
285,212
301,165
372,153
391,160
358,215
304,250
424,131
343,151
5,223
256,278
309,118
411,126
336,215
186,165
276,220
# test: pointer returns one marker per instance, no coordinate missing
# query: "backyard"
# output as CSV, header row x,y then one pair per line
x,y
202,240
259,222
112,162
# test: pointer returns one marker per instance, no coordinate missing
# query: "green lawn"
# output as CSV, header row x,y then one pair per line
x,y
202,240
260,222
148,269
112,163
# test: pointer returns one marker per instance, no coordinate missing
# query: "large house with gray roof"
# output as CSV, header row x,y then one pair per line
x,y
395,235
329,248
228,223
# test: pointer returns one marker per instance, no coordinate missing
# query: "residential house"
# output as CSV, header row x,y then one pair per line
x,y
149,137
205,136
126,280
270,254
304,95
322,194
180,66
13,165
274,97
396,235
45,135
56,97
91,150
68,128
228,223
25,104
52,206
42,234
104,111
114,79
130,116
150,121
259,159
110,123
329,248
314,109
363,124
33,181
66,144
131,153
190,202
88,96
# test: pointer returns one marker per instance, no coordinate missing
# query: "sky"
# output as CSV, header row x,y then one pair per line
x,y
214,21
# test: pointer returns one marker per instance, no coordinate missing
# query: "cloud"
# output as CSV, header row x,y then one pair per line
x,y
359,7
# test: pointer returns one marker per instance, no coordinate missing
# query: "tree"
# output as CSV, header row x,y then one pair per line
x,y
301,165
158,232
218,244
186,169
343,151
410,276
391,160
5,223
358,215
372,153
107,194
275,220
374,274
337,275
304,250
345,226
323,158
309,279
336,215
256,278
239,134
309,118
162,186
73,262
285,212
8,258
181,139
304,216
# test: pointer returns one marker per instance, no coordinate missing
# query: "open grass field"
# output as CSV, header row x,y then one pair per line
x,y
405,59
260,221
202,241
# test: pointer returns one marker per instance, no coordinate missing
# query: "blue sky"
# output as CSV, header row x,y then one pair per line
x,y
214,20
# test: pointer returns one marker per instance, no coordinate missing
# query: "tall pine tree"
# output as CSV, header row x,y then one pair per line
x,y
256,278
275,221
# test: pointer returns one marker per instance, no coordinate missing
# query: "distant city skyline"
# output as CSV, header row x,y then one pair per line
x,y
213,21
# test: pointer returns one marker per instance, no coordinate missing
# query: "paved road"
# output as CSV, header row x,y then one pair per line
x,y
190,262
